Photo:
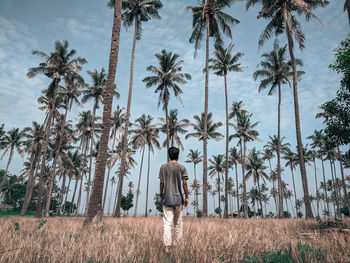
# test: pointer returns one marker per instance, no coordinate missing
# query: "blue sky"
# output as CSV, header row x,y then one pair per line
x,y
36,24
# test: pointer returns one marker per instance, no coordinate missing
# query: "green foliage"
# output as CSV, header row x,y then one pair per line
x,y
15,213
16,226
330,223
199,213
270,215
127,201
218,210
304,254
158,203
345,211
41,223
300,214
286,214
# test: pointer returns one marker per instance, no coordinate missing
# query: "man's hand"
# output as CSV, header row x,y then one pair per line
x,y
186,202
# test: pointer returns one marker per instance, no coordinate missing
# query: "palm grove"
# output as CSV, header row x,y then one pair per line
x,y
78,154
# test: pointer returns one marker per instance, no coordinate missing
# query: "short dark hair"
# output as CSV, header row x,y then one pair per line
x,y
173,153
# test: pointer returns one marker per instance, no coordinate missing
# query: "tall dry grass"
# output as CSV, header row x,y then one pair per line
x,y
140,240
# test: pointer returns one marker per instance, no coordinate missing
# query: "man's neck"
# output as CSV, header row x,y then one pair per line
x,y
173,161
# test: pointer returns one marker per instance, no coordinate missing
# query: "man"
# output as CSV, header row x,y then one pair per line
x,y
172,175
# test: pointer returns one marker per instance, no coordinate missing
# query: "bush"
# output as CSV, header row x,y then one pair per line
x,y
15,212
199,213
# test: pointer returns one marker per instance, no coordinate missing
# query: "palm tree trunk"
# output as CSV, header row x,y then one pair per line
x,y
347,203
213,205
38,212
57,153
167,130
295,193
316,185
65,199
139,182
73,197
30,184
205,130
336,211
226,152
148,168
260,201
286,204
109,171
280,211
195,178
62,193
325,185
291,204
219,195
245,201
97,188
237,187
110,200
126,130
308,210
90,158
82,177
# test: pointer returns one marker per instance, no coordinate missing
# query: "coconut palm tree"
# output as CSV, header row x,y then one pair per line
x,y
117,125
255,169
292,161
282,19
347,8
277,146
194,156
217,168
140,135
96,92
245,132
14,140
34,136
59,64
113,182
198,127
167,78
2,135
135,13
95,204
208,17
175,127
235,158
223,63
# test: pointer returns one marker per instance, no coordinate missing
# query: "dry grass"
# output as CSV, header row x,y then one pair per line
x,y
140,240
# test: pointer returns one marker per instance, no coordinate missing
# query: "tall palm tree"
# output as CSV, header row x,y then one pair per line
x,y
113,182
246,132
222,63
217,168
135,13
14,140
2,135
198,127
175,127
95,92
194,156
292,161
34,136
140,136
57,65
235,158
276,71
117,125
282,19
255,169
208,17
276,145
347,8
166,79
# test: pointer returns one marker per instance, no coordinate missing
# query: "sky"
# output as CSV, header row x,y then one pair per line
x,y
87,25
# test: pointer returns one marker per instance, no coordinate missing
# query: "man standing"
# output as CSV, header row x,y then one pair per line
x,y
172,175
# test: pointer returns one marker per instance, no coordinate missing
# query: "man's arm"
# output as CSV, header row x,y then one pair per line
x,y
184,183
161,186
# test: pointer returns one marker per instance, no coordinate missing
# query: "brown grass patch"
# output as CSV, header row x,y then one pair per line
x,y
140,240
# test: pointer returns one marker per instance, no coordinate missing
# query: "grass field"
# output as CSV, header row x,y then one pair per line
x,y
62,239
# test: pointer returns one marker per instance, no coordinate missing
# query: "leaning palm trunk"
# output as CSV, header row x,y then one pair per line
x,y
66,196
30,184
347,203
82,178
219,195
45,143
308,210
53,170
280,194
237,188
90,158
334,186
149,165
245,201
295,193
139,182
325,185
226,161
62,193
260,201
73,197
195,177
167,131
205,130
95,202
126,130
7,168
316,186
109,172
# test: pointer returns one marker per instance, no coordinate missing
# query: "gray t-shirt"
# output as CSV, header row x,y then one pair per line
x,y
173,174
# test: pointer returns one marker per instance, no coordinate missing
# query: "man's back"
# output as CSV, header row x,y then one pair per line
x,y
172,174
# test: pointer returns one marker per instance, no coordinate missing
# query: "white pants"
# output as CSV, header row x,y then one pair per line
x,y
172,214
